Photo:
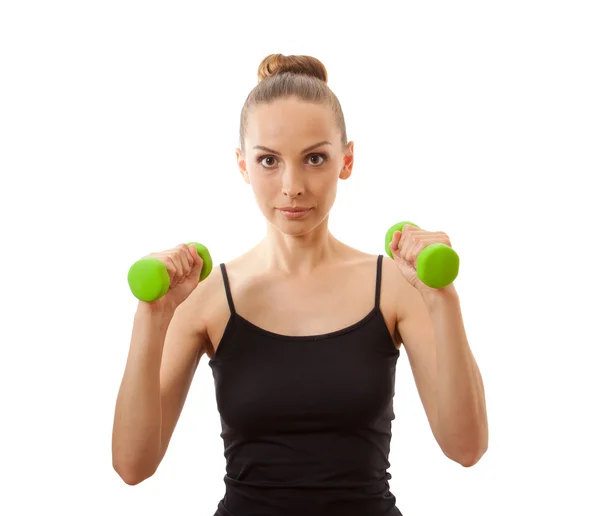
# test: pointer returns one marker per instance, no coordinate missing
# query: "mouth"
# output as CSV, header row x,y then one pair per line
x,y
293,213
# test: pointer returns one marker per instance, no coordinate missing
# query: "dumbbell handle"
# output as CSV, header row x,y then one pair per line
x,y
148,278
437,265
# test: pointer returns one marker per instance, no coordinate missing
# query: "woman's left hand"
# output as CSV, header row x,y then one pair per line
x,y
406,246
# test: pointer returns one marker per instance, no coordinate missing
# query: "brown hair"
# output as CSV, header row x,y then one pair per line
x,y
304,77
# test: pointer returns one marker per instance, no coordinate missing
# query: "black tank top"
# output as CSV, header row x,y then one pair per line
x,y
306,421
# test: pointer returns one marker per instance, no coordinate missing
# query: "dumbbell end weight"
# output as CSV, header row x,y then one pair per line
x,y
207,263
437,265
149,280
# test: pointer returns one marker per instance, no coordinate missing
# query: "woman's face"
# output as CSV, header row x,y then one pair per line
x,y
293,159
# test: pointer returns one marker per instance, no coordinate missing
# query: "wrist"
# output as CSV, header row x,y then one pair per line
x,y
434,298
156,311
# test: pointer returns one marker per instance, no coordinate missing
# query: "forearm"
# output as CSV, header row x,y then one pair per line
x,y
137,423
461,407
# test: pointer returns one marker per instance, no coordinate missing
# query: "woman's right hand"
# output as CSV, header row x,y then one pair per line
x,y
184,266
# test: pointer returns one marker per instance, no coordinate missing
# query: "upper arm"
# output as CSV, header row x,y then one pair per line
x,y
185,343
416,333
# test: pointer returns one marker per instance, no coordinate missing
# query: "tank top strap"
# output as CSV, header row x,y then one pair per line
x,y
378,281
227,288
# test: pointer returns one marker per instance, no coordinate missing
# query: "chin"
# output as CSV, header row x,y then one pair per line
x,y
293,228
297,226
298,230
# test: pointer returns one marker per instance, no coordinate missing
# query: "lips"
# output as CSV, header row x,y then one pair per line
x,y
294,213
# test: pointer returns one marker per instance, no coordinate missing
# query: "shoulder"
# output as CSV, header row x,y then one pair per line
x,y
241,272
396,295
406,294
198,305
212,287
208,305
207,289
399,298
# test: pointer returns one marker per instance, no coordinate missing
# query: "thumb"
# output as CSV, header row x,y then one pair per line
x,y
395,241
198,262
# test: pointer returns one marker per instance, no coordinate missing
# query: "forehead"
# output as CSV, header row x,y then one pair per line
x,y
290,121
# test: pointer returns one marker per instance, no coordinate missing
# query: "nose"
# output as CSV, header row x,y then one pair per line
x,y
292,183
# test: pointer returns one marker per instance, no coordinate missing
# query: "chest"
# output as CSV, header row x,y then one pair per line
x,y
300,307
297,308
267,382
312,351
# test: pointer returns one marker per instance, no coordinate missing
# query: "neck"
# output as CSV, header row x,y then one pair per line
x,y
296,255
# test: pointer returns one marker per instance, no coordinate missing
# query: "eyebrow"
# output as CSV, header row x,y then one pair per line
x,y
260,147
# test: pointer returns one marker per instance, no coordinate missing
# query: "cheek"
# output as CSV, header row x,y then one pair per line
x,y
326,188
262,187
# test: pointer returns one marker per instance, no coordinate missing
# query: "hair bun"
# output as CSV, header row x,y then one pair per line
x,y
275,64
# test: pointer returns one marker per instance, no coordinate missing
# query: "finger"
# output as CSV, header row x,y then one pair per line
x,y
410,249
182,256
187,253
186,259
444,238
409,228
181,265
171,266
415,251
198,262
394,242
403,244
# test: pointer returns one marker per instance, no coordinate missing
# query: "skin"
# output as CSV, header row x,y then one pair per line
x,y
293,282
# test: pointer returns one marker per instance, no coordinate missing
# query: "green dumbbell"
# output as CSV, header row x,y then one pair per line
x,y
149,280
437,264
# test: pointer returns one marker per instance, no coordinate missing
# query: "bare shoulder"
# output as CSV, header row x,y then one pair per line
x,y
198,308
243,268
399,298
208,303
407,305
404,289
262,295
395,292
392,276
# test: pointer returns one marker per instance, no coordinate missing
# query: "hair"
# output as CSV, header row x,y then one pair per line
x,y
303,77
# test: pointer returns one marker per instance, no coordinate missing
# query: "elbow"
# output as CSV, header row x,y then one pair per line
x,y
466,457
465,447
468,461
467,453
134,466
131,474
132,479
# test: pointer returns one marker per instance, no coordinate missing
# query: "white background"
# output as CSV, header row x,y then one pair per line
x,y
118,124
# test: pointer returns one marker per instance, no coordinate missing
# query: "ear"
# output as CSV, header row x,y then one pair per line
x,y
346,172
241,161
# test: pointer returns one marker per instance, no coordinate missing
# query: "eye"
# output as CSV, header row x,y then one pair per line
x,y
263,159
323,157
271,161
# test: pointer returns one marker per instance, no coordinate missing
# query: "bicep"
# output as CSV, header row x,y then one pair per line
x,y
185,343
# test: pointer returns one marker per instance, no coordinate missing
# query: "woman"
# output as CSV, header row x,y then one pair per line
x,y
302,332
